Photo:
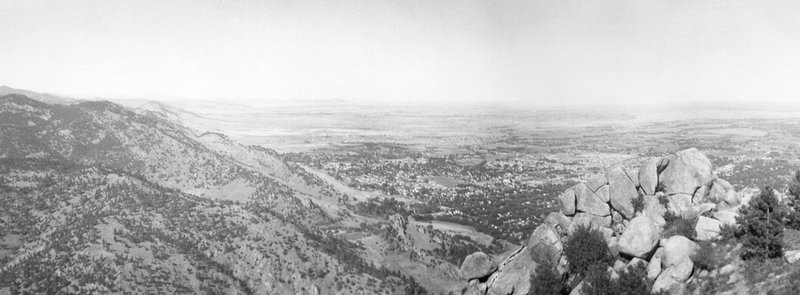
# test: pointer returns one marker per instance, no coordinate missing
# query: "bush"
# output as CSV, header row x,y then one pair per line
x,y
547,281
638,203
761,230
631,281
597,281
677,225
586,247
794,193
660,187
707,257
728,233
663,200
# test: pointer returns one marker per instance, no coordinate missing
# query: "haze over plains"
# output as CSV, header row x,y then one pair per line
x,y
536,52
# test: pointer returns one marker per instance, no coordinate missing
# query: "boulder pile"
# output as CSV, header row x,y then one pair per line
x,y
684,181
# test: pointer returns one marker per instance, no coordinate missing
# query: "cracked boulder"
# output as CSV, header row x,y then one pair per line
x,y
545,245
648,175
622,191
687,171
587,201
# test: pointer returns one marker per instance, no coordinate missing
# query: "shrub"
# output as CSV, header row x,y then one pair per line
x,y
706,257
597,281
728,233
794,193
663,200
677,225
761,230
660,187
547,281
586,247
638,203
631,281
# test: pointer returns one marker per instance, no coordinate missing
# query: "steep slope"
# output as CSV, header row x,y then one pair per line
x,y
110,136
80,229
241,216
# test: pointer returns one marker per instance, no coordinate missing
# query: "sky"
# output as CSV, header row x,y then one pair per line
x,y
539,52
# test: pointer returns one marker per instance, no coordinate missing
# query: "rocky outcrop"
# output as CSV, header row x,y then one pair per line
x,y
605,202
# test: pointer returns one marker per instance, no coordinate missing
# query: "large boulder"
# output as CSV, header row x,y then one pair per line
x,y
648,175
676,250
700,195
477,265
558,220
723,194
633,175
587,201
654,210
687,171
545,244
640,237
707,228
669,285
622,191
791,256
596,181
513,274
567,200
681,271
604,193
732,199
719,188
654,268
726,216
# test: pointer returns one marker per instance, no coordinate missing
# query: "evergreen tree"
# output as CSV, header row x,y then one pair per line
x,y
761,227
794,193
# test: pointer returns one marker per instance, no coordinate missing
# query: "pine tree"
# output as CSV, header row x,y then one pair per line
x,y
794,193
761,227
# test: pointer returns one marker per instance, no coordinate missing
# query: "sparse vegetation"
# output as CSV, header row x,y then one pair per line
x,y
638,203
631,281
678,225
586,247
707,257
547,281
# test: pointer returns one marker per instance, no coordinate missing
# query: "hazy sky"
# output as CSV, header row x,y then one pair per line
x,y
563,51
